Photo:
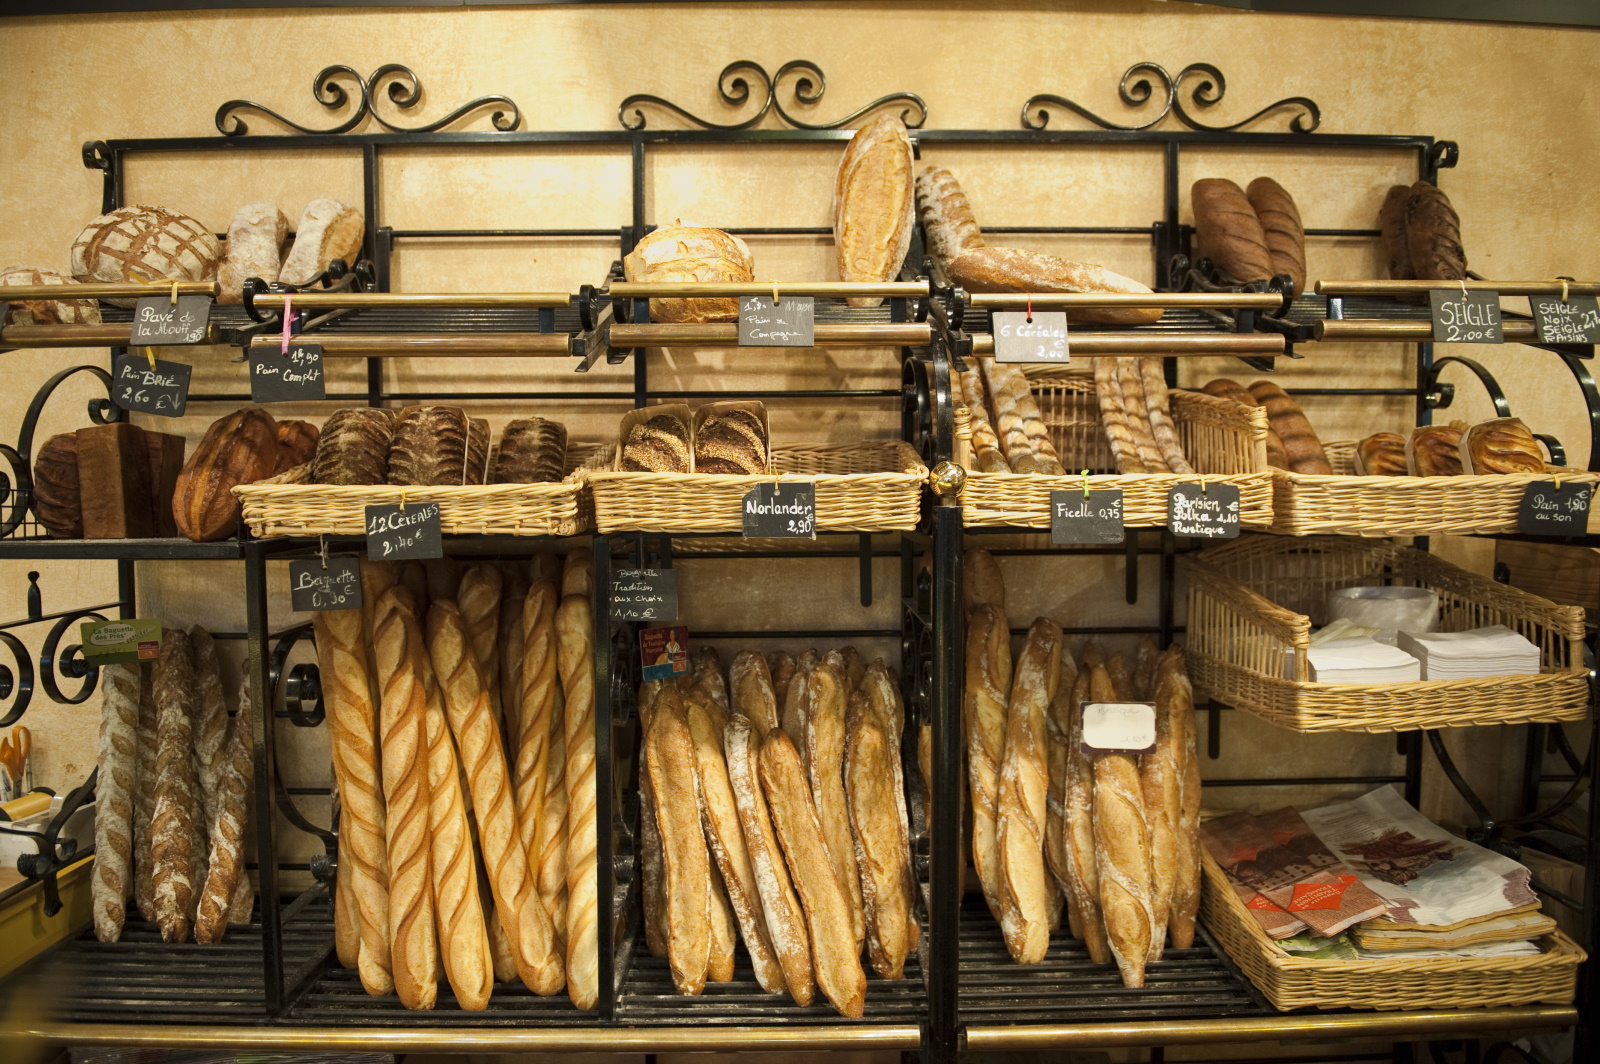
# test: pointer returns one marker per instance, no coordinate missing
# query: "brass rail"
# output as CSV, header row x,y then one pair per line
x,y
17,292
1155,343
325,300
1338,330
727,335
680,289
1505,288
1165,300
456,345
79,335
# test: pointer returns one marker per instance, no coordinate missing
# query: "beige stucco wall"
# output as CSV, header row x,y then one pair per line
x,y
1520,102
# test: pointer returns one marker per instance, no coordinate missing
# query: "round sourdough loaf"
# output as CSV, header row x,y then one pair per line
x,y
144,244
46,311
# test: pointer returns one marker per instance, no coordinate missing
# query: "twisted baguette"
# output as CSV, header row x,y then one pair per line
x,y
1159,406
144,804
1027,894
1017,418
987,457
458,914
226,897
478,602
1114,416
174,824
575,653
1131,381
115,790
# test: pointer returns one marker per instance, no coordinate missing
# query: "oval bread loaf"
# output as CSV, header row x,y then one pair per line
x,y
874,205
1300,441
988,269
1228,232
240,448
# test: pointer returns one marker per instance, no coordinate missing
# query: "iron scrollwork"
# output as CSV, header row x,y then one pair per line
x,y
20,680
1136,89
404,90
734,89
16,488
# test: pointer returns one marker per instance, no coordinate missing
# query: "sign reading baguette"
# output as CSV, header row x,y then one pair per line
x,y
791,323
332,584
1037,336
1206,511
159,322
1551,510
1462,317
663,653
774,510
1129,727
1567,321
1078,516
288,376
397,532
161,388
114,642
644,594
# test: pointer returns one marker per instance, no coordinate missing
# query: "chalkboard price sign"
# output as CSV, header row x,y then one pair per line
x,y
158,322
1207,512
395,533
1570,321
1547,510
792,324
1037,337
780,511
143,389
1095,516
1465,317
277,376
1125,726
334,585
644,594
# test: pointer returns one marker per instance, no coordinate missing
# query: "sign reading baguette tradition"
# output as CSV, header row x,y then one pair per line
x,y
644,594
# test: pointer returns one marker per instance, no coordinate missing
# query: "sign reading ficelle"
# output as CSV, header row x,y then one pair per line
x,y
114,642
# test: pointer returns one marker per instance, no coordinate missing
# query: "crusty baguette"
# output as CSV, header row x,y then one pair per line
x,y
519,911
1281,227
1159,771
706,667
538,709
575,657
779,908
752,691
1175,702
1131,381
724,931
988,679
1083,876
174,827
948,225
669,759
1145,657
342,659
115,791
825,736
987,455
881,846
780,666
884,699
509,639
1300,444
210,721
1159,406
227,887
834,950
1225,388
500,948
981,581
413,947
1121,849
577,573
874,206
144,804
652,862
479,603
550,842
1027,894
855,667
1121,675
1058,727
991,269
797,703
346,936
1114,416
1022,431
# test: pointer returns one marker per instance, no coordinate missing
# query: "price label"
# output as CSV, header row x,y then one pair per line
x,y
1124,726
335,585
1572,321
1208,512
1094,516
1465,317
277,376
157,322
1041,337
792,323
644,594
780,511
114,642
163,390
664,652
395,533
1547,510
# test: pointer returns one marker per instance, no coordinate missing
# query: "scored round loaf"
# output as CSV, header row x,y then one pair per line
x,y
533,450
681,253
240,448
1228,232
297,442
429,446
353,447
145,245
732,442
55,487
1383,454
1280,225
657,445
1433,235
46,311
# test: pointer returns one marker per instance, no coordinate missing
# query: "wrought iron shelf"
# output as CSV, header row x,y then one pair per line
x,y
120,549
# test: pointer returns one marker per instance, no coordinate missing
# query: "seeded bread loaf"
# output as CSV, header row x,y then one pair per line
x,y
354,447
659,444
730,439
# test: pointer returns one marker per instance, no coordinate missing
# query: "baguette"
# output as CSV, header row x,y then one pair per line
x,y
988,676
210,722
500,948
797,704
551,841
174,826
652,862
1114,416
115,792
479,601
1083,875
144,882
706,665
1121,674
825,740
346,936
1131,383
413,947
342,655
458,914
1016,417
509,640
1159,406
1058,727
1027,894
577,573
724,930
948,225
1281,227
1300,444
669,759
981,581
575,658
835,953
1121,850
538,710
883,699
226,896
855,667
874,205
753,694
987,457
780,666
1175,699
1159,786
990,269
881,847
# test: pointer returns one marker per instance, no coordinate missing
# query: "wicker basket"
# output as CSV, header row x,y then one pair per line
x,y
864,487
1292,982
1224,440
1349,505
287,505
1252,603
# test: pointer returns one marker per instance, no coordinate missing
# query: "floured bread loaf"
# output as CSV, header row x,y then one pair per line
x,y
255,249
532,451
354,447
681,252
731,440
989,269
429,446
658,445
46,311
948,225
328,230
874,205
144,245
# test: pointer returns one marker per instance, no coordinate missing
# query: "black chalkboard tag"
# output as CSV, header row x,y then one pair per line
x,y
644,594
331,585
1575,320
1547,510
1039,337
1209,512
1092,517
158,323
395,533
286,377
1465,317
793,324
780,511
163,390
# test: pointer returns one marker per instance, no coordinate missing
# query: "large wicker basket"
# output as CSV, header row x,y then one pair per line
x,y
1349,505
1225,441
288,505
863,487
1292,982
1252,604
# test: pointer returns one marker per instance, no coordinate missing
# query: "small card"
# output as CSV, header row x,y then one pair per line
x,y
644,594
1547,510
1572,321
163,390
157,322
1094,516
279,377
1125,726
664,652
334,585
792,324
1040,337
114,642
395,533
774,510
1465,317
1208,512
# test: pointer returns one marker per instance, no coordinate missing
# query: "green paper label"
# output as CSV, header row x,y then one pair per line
x,y
114,642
